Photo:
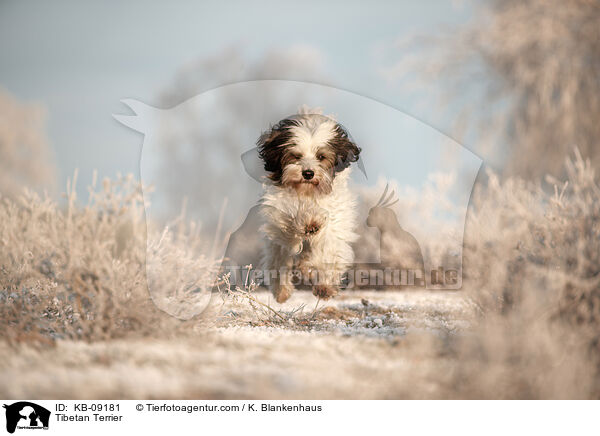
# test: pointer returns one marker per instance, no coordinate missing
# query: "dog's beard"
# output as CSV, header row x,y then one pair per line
x,y
320,184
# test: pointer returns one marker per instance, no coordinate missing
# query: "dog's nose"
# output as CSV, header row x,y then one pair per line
x,y
308,174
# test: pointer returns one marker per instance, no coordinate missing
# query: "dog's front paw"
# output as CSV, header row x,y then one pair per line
x,y
311,228
315,223
325,292
282,292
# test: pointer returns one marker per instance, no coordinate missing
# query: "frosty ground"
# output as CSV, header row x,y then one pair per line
x,y
362,344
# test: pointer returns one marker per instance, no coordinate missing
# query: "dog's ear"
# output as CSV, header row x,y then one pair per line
x,y
345,149
271,145
268,149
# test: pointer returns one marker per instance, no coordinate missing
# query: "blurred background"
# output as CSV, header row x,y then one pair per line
x,y
494,75
78,61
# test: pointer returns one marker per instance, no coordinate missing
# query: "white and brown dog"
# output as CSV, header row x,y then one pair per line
x,y
308,210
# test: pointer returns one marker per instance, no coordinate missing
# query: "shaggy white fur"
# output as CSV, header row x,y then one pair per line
x,y
309,234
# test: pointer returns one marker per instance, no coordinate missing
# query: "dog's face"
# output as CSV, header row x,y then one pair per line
x,y
304,153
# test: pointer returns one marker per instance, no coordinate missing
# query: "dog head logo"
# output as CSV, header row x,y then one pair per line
x,y
26,415
191,158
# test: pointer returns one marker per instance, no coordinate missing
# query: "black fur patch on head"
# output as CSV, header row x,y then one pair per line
x,y
271,146
345,149
273,143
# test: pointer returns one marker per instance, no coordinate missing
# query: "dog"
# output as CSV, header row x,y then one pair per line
x,y
308,211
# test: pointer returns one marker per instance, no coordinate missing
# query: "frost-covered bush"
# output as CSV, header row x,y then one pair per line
x,y
78,272
532,263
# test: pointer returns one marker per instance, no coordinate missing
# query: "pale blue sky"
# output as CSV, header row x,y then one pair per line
x,y
79,59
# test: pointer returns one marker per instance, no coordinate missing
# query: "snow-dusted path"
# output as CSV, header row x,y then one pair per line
x,y
359,345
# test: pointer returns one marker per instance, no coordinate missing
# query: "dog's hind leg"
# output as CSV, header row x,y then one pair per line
x,y
279,264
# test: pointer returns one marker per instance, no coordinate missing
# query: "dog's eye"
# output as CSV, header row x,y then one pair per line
x,y
321,157
297,156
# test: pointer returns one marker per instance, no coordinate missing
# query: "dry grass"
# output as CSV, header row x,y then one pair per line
x,y
76,272
533,266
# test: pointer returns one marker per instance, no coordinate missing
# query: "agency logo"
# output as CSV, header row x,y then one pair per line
x,y
26,415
